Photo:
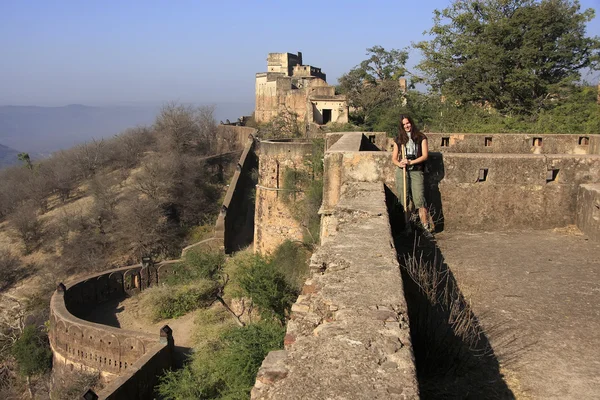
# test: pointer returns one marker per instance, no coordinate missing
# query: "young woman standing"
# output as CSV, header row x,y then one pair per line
x,y
410,151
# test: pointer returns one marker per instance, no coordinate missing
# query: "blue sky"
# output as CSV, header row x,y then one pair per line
x,y
144,52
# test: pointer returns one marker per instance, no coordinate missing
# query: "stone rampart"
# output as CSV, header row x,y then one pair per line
x,y
472,191
81,345
235,223
232,138
140,379
348,337
477,191
274,222
513,143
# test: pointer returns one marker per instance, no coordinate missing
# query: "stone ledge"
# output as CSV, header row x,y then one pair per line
x,y
348,336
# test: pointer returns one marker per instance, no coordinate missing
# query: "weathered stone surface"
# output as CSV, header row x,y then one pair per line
x,y
513,143
351,345
515,191
273,220
588,210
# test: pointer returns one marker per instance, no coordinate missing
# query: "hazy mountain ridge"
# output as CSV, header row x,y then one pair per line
x,y
8,156
43,130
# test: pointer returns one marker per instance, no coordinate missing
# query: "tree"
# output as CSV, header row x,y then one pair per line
x,y
26,159
28,226
514,55
373,84
32,353
181,128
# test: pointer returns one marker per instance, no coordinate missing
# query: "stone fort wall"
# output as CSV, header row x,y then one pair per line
x,y
495,191
328,352
273,220
81,345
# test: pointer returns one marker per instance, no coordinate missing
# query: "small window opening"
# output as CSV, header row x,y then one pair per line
x,y
537,142
372,138
445,141
584,140
488,141
483,173
551,176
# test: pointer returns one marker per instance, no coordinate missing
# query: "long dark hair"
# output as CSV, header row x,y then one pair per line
x,y
416,134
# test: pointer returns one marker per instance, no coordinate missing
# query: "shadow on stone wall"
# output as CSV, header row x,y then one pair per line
x,y
453,356
434,175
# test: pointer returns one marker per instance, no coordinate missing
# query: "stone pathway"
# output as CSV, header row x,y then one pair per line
x,y
537,295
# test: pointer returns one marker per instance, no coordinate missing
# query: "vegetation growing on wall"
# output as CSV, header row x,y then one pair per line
x,y
303,192
285,125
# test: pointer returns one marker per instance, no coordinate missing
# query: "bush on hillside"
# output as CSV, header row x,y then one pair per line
x,y
291,259
173,302
32,352
197,265
227,368
260,279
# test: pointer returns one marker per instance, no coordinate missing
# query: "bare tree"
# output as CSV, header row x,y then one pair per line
x,y
128,147
176,127
28,226
91,156
60,171
102,188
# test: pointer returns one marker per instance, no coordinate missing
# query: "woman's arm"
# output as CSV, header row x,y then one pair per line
x,y
424,154
395,160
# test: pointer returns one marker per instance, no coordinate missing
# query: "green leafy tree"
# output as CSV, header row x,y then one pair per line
x,y
24,157
515,55
32,353
373,84
227,368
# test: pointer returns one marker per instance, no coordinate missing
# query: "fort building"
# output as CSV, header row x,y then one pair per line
x,y
289,87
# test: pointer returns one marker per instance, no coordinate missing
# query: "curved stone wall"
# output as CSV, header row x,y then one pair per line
x,y
78,344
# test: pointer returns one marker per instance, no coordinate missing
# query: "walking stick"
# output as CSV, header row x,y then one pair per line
x,y
404,181
406,216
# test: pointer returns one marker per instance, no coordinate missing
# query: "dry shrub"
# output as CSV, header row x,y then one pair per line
x,y
175,301
27,225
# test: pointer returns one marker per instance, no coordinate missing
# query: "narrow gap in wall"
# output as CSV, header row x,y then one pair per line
x,y
488,141
584,140
445,141
552,174
537,142
453,355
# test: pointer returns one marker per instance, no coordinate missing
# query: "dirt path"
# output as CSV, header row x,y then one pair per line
x,y
537,295
129,314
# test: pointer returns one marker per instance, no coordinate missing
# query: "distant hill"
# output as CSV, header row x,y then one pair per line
x,y
43,130
8,156
40,131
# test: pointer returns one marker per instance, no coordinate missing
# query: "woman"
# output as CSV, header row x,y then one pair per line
x,y
409,154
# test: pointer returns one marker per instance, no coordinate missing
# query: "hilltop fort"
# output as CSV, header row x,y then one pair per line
x,y
291,87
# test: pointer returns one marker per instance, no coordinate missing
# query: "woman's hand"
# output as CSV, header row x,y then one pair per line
x,y
403,163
